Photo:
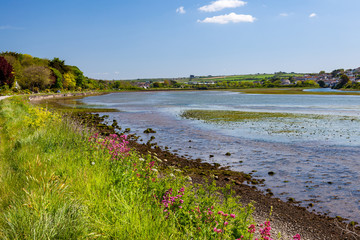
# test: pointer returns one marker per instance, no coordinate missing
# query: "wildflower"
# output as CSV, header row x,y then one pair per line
x,y
215,229
220,212
92,163
232,215
180,206
151,164
296,237
251,228
226,223
154,169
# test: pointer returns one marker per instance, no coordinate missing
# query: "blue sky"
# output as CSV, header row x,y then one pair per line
x,y
129,39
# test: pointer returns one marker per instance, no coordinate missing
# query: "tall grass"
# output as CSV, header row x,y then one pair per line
x,y
57,183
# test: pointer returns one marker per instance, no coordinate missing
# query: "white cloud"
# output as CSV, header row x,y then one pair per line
x,y
312,15
222,4
227,18
181,10
284,14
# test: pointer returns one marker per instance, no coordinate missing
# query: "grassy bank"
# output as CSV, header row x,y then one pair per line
x,y
60,182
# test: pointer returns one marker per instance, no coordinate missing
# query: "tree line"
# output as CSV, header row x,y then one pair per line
x,y
25,73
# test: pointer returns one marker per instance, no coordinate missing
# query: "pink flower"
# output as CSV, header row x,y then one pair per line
x,y
232,215
215,229
251,228
226,223
297,237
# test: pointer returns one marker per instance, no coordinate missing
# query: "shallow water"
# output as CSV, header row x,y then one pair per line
x,y
315,159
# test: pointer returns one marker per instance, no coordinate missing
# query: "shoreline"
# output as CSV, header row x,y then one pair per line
x,y
292,218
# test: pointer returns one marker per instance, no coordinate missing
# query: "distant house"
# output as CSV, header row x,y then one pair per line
x,y
285,82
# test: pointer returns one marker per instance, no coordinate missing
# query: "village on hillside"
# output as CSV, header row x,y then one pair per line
x,y
322,78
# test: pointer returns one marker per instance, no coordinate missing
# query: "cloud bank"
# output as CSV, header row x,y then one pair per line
x,y
222,4
312,15
229,18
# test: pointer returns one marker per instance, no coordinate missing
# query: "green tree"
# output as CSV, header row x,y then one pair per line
x,y
59,65
344,80
79,76
58,78
337,72
321,83
35,76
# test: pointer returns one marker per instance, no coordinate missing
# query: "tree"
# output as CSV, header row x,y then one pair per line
x,y
321,83
35,76
79,76
69,81
59,65
337,72
6,72
17,68
58,78
344,80
322,72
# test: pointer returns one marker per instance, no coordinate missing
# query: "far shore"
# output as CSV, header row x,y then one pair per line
x,y
42,96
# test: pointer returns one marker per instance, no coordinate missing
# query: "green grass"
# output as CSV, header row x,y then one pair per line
x,y
239,116
55,184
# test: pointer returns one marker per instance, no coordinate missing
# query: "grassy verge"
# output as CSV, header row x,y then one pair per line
x,y
59,182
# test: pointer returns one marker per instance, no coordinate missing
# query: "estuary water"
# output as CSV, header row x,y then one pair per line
x,y
315,156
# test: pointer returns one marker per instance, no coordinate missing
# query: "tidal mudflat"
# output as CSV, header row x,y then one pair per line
x,y
306,147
